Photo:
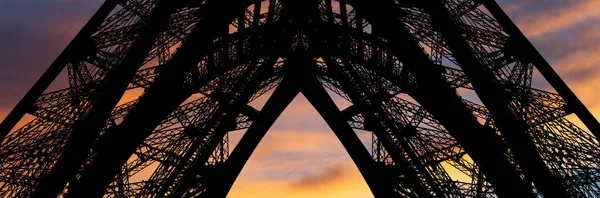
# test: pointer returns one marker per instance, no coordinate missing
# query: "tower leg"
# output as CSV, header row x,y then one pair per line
x,y
496,101
414,176
479,142
545,69
316,94
55,68
380,184
281,98
153,106
111,89
232,113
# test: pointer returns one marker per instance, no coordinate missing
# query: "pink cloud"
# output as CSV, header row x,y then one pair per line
x,y
534,25
581,59
579,68
333,181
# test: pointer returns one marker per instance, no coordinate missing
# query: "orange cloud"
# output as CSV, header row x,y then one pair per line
x,y
579,70
333,181
586,90
329,175
293,152
580,60
558,19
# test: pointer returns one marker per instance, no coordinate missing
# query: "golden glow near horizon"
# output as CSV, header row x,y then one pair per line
x,y
300,157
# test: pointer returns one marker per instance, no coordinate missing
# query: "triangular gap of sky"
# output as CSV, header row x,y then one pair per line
x,y
300,157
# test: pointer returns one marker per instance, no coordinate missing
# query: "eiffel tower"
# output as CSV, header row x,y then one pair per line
x,y
403,64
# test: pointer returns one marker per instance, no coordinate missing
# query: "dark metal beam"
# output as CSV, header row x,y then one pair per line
x,y
544,67
231,112
281,98
480,143
249,111
357,87
350,112
496,100
114,85
295,81
411,174
380,183
153,106
69,54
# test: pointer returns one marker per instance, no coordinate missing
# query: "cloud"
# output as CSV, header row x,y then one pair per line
x,y
586,89
329,174
566,33
585,57
333,181
576,61
539,17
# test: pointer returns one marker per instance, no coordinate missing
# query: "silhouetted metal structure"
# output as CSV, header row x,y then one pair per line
x,y
403,64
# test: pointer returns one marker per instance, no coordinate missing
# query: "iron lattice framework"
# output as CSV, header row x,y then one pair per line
x,y
403,64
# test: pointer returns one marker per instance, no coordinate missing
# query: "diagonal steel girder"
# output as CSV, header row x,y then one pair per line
x,y
300,79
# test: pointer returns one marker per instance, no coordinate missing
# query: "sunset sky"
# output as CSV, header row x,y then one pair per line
x,y
300,156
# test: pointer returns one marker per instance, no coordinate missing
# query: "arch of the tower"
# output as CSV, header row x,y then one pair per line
x,y
201,114
428,140
416,146
198,117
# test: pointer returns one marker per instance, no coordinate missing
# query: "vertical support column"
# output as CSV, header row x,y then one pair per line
x,y
55,68
544,67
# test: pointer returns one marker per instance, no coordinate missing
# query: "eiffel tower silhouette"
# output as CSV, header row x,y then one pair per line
x,y
401,63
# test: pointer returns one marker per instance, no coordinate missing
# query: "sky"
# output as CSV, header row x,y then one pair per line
x,y
300,156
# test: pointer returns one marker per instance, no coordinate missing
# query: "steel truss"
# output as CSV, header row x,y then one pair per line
x,y
402,64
